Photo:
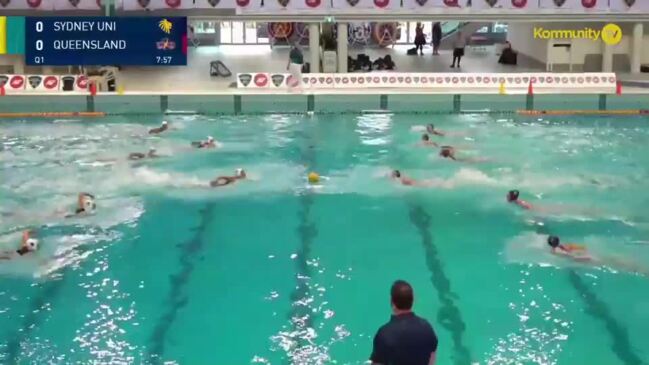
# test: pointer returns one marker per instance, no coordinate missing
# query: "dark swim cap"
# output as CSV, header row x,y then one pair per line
x,y
445,152
396,173
425,137
431,126
553,241
512,195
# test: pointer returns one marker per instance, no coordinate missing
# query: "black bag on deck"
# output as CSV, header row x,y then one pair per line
x,y
412,52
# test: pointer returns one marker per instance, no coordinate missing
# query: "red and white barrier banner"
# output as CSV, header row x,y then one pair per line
x,y
215,4
77,83
629,5
366,4
428,4
505,4
244,6
469,81
157,4
575,5
298,5
26,4
42,83
13,83
77,4
254,80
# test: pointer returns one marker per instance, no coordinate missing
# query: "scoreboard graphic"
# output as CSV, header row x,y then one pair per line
x,y
62,41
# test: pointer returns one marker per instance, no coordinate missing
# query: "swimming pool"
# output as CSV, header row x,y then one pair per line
x,y
273,270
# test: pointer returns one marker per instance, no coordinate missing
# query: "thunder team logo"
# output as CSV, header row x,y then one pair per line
x,y
165,26
166,45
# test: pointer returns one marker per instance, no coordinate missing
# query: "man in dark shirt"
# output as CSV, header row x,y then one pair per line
x,y
407,339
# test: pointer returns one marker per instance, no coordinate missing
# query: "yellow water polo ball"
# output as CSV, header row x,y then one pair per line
x,y
314,177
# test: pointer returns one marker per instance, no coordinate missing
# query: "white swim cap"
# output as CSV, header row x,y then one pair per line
x,y
239,171
32,244
164,122
151,149
210,138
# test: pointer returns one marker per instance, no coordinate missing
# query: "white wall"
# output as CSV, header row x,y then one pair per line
x,y
521,36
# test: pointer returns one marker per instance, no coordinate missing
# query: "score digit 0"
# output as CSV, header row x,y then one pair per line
x,y
39,26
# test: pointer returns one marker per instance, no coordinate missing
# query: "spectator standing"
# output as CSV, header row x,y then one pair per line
x,y
406,339
437,38
420,38
458,48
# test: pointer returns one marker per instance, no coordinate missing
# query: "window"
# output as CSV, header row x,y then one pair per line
x,y
484,29
500,27
204,27
243,33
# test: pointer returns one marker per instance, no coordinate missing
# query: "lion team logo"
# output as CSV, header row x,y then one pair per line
x,y
381,3
283,3
452,3
3,80
34,81
245,79
491,3
213,3
519,3
352,3
559,3
629,3
312,3
421,2
588,4
144,3
4,3
243,3
165,26
277,79
173,3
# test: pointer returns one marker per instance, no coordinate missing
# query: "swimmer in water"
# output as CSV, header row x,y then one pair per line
x,y
139,155
404,180
85,205
28,245
209,143
430,128
425,140
448,152
574,251
512,197
163,127
240,174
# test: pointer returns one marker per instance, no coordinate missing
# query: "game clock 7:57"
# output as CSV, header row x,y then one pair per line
x,y
163,60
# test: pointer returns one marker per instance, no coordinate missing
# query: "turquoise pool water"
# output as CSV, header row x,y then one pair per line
x,y
275,271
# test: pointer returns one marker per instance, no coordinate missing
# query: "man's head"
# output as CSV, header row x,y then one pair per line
x,y
402,296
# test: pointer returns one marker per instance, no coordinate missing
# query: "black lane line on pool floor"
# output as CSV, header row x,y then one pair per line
x,y
448,315
307,232
597,309
32,319
178,298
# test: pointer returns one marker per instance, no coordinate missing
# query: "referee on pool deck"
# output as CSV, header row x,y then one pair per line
x,y
406,339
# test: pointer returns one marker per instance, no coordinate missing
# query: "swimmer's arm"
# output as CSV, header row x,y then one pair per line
x,y
523,204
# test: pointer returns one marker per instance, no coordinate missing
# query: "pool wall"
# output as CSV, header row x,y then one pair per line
x,y
270,104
